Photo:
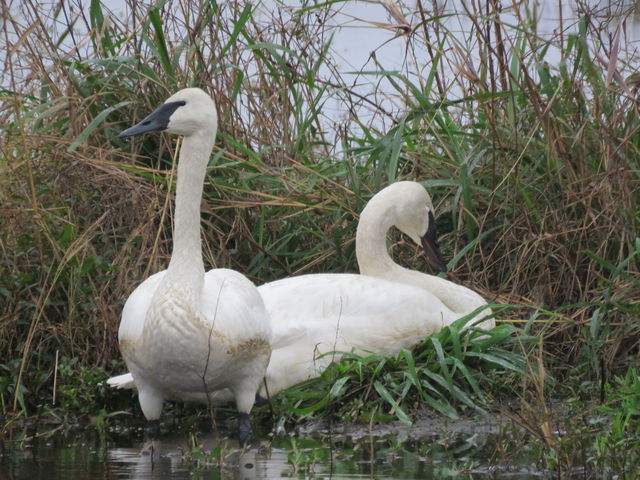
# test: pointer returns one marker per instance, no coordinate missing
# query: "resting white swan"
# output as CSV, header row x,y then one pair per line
x,y
383,310
319,313
185,333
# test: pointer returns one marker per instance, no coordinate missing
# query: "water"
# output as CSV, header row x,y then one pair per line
x,y
364,40
465,450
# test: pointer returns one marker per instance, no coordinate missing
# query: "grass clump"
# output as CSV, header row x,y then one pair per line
x,y
443,373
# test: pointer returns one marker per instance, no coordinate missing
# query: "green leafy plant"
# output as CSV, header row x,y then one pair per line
x,y
443,372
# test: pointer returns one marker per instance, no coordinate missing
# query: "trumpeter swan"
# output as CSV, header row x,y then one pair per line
x,y
185,333
383,310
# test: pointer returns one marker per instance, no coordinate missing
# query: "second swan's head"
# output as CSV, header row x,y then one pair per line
x,y
187,112
408,206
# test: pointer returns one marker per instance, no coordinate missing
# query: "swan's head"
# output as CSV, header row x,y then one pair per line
x,y
187,112
410,209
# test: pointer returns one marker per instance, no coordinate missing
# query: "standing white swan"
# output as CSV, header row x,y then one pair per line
x,y
185,333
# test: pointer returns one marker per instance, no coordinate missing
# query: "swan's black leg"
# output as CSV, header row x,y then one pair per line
x,y
244,429
153,429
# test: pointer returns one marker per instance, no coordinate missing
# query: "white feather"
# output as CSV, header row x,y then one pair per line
x,y
124,381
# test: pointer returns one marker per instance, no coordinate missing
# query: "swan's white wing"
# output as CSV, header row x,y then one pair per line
x,y
315,314
135,308
231,304
358,310
282,337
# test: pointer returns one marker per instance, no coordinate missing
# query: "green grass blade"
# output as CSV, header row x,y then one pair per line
x,y
95,123
411,373
384,393
442,362
161,44
501,362
238,26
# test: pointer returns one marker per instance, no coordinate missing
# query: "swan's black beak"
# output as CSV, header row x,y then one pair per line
x,y
156,121
430,246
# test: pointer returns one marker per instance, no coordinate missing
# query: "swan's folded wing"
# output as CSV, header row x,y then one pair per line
x,y
314,315
287,335
231,304
345,311
135,308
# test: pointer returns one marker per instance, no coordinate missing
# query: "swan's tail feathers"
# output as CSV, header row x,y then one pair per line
x,y
124,381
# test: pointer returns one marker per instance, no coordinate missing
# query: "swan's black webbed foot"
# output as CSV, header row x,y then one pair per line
x,y
244,429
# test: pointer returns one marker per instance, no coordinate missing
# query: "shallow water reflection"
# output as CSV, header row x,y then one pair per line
x,y
252,464
345,454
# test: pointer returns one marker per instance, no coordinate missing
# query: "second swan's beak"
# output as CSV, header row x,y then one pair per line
x,y
430,246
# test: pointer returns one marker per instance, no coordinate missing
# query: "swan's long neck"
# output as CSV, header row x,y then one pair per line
x,y
186,266
371,240
374,260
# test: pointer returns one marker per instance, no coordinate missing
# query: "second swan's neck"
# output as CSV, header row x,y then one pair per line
x,y
371,240
186,265
374,260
